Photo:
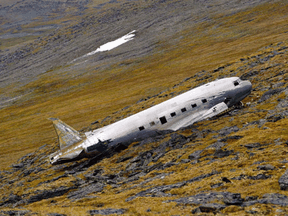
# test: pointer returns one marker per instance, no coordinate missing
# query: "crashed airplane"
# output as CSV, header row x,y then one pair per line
x,y
183,110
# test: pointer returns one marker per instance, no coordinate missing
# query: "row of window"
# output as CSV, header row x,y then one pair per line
x,y
163,119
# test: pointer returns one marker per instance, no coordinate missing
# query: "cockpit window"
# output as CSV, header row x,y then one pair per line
x,y
237,82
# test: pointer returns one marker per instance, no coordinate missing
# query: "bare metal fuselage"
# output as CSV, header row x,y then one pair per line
x,y
195,105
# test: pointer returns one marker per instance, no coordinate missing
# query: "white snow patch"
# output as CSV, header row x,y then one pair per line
x,y
111,45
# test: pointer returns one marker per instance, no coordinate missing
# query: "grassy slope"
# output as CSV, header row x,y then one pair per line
x,y
222,41
114,197
214,43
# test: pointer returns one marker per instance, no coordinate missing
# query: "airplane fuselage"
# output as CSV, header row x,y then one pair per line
x,y
183,110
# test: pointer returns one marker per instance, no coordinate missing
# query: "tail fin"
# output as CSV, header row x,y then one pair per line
x,y
66,135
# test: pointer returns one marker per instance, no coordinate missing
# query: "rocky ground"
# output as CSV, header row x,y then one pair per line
x,y
234,164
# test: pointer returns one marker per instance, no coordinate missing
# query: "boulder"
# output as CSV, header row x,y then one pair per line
x,y
266,167
259,177
274,198
205,198
253,145
107,211
195,155
211,207
269,94
15,212
233,199
46,194
283,181
82,192
220,153
12,199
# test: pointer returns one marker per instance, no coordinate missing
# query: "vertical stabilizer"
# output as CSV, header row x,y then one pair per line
x,y
66,135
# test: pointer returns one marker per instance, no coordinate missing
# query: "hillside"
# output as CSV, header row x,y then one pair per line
x,y
233,164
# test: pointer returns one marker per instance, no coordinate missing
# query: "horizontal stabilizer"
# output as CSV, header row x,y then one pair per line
x,y
67,135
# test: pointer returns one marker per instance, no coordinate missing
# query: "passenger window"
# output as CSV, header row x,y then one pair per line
x,y
152,123
194,105
183,109
141,128
163,120
204,100
173,114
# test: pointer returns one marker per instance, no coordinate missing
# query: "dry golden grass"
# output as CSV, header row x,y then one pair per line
x,y
97,99
25,128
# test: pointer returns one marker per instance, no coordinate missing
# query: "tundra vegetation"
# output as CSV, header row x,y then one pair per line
x,y
234,164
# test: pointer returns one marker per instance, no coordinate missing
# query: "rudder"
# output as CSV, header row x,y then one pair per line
x,y
67,135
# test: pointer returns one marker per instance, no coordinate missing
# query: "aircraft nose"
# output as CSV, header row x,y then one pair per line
x,y
247,86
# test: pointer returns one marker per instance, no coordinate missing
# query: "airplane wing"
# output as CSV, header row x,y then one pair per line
x,y
215,110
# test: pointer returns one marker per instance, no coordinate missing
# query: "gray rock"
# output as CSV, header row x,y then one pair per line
x,y
261,122
195,155
266,167
55,214
230,137
253,145
259,177
177,141
278,141
135,177
15,212
239,177
269,94
276,116
277,85
249,74
18,166
185,161
220,153
122,159
169,164
251,198
204,198
233,199
107,211
211,207
157,157
227,130
252,212
12,199
55,179
217,145
283,181
217,185
46,194
274,198
160,190
82,192
196,211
